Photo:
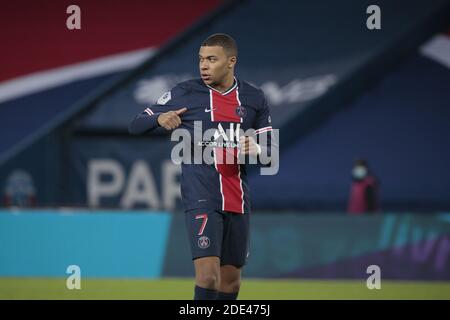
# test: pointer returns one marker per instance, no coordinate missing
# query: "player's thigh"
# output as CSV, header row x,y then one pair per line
x,y
205,231
236,239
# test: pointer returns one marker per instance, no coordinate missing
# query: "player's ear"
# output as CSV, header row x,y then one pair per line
x,y
231,61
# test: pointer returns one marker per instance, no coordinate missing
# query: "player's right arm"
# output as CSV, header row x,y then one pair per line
x,y
166,113
147,120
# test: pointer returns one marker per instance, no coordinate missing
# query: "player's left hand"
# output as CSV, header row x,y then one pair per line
x,y
249,146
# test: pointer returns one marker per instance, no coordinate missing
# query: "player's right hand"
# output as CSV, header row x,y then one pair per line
x,y
171,120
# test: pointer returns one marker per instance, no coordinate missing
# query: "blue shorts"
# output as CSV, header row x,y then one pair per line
x,y
219,233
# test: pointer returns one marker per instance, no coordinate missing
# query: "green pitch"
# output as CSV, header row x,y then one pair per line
x,y
259,289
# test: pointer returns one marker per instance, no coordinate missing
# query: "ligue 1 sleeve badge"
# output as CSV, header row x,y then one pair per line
x,y
164,98
241,112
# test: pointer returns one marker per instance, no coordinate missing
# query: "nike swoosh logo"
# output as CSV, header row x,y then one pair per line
x,y
209,110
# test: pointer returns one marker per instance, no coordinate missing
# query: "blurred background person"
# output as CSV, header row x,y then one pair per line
x,y
364,190
19,190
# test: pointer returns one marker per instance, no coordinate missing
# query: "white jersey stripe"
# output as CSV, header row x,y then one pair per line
x,y
211,107
220,178
263,129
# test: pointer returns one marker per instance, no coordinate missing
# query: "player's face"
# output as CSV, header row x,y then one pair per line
x,y
215,65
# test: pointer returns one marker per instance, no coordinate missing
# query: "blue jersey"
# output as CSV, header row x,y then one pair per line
x,y
219,185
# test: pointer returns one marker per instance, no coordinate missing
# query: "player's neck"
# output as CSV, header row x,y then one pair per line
x,y
226,85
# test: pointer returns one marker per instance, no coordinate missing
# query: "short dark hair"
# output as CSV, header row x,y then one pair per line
x,y
361,162
222,40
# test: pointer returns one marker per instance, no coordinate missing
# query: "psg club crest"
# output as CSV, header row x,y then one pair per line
x,y
241,112
203,242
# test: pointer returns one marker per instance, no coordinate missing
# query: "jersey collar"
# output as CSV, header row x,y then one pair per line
x,y
228,91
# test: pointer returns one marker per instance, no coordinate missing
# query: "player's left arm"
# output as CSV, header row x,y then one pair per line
x,y
260,145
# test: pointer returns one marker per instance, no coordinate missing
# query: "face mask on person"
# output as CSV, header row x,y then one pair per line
x,y
359,172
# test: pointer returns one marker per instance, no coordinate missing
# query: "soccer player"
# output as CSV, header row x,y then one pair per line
x,y
215,195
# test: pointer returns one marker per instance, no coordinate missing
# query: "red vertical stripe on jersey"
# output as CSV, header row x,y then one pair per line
x,y
224,107
230,180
